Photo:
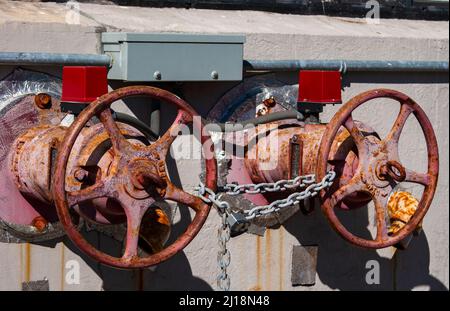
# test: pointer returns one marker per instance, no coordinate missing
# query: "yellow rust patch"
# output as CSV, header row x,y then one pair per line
x,y
401,207
162,217
27,262
258,286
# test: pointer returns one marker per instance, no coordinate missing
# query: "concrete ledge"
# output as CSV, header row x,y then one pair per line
x,y
42,27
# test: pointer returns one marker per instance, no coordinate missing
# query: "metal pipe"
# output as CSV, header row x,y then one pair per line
x,y
19,58
346,65
37,59
242,125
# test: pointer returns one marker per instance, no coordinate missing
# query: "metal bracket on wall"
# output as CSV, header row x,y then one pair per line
x,y
304,264
36,286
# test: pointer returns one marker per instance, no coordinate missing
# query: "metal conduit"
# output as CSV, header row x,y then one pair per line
x,y
346,65
35,59
40,59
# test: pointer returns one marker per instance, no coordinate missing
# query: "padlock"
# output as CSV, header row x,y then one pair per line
x,y
238,224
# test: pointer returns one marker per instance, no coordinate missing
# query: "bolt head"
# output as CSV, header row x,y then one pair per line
x,y
157,75
43,101
40,223
214,75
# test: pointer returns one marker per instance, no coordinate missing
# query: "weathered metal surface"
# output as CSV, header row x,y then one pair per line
x,y
18,212
401,207
240,104
32,158
89,162
273,157
268,159
123,171
304,264
375,156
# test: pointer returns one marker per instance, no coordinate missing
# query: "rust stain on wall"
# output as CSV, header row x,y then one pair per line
x,y
281,258
27,262
258,286
20,265
268,255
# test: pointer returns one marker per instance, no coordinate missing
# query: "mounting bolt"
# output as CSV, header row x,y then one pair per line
x,y
40,223
43,101
270,102
157,75
80,175
215,75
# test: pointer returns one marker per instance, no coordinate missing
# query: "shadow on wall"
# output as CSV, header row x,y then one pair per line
x,y
174,274
341,265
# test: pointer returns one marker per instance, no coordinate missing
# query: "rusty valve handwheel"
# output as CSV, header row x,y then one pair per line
x,y
136,178
379,167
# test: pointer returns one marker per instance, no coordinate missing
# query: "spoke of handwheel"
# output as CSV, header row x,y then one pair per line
x,y
162,145
117,139
415,177
354,185
95,191
396,130
176,194
135,212
380,216
356,134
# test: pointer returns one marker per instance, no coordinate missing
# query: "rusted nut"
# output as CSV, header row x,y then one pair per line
x,y
40,223
270,102
80,175
43,100
147,180
395,170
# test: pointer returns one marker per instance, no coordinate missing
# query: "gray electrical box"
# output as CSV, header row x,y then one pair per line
x,y
153,57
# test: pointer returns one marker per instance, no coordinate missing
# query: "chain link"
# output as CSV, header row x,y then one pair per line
x,y
226,213
280,185
224,255
223,235
293,199
308,181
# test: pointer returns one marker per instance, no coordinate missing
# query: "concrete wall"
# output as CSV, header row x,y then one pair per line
x,y
258,263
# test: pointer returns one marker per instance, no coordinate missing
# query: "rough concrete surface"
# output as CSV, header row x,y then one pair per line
x,y
258,263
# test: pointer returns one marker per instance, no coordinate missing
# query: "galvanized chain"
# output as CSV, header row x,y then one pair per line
x,y
223,235
280,185
308,181
293,199
239,221
223,255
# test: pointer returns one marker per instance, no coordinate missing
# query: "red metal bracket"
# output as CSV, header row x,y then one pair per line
x,y
319,87
83,84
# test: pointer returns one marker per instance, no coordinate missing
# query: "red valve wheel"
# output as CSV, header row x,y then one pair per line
x,y
136,179
379,167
